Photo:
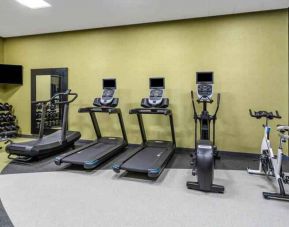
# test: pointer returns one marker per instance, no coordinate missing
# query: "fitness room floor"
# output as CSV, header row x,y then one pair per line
x,y
43,194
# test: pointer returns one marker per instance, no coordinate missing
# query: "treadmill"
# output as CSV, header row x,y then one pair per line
x,y
151,156
93,154
49,144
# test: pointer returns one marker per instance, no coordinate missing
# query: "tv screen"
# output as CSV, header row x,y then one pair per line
x,y
109,83
206,77
157,83
11,74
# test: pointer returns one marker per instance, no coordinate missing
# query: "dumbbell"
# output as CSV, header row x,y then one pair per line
x,y
7,106
10,117
54,123
8,128
1,106
48,115
38,124
2,117
14,127
54,115
38,106
52,106
46,124
38,114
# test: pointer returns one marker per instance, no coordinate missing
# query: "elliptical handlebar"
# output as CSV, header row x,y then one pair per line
x,y
267,115
57,96
194,107
217,108
218,105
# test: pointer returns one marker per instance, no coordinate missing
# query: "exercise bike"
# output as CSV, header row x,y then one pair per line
x,y
270,165
205,153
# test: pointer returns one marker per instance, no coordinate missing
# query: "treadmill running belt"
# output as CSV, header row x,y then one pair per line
x,y
146,158
91,153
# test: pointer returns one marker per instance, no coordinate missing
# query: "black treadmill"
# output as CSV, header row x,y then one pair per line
x,y
151,156
49,144
93,154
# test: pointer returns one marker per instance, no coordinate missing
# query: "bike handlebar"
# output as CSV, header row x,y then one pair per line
x,y
267,115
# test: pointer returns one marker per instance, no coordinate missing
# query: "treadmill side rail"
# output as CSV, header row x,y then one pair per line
x,y
163,111
161,163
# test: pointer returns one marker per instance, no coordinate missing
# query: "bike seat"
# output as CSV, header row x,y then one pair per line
x,y
283,128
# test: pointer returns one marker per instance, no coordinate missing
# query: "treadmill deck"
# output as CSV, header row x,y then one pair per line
x,y
152,157
94,153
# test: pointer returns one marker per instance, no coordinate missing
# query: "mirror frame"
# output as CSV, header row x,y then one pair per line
x,y
63,72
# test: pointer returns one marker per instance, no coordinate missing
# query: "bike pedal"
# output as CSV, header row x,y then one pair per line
x,y
286,180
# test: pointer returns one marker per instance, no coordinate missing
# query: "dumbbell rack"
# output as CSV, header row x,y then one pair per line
x,y
51,118
8,121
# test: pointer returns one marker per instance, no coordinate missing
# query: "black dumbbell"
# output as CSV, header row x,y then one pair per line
x,y
10,117
7,106
38,114
52,106
38,106
2,118
14,127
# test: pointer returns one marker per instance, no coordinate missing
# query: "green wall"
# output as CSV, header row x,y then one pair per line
x,y
1,50
248,54
1,61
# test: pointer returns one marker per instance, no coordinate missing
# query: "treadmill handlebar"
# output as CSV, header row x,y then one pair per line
x,y
99,110
57,97
163,111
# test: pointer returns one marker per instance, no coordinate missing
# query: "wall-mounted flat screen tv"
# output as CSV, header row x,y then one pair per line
x,y
11,74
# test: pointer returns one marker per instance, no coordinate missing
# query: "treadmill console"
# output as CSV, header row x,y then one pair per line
x,y
109,86
107,99
157,86
204,81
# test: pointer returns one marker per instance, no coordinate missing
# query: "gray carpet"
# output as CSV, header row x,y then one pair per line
x,y
4,219
103,198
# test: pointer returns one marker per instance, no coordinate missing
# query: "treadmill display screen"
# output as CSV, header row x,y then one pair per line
x,y
204,77
157,83
109,83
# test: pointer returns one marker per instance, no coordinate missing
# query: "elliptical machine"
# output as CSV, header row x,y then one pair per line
x,y
269,164
205,151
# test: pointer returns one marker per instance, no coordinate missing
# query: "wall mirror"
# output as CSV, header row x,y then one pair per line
x,y
45,83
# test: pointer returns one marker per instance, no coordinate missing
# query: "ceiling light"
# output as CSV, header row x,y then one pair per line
x,y
34,4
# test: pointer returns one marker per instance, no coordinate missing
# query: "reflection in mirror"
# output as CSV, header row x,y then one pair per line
x,y
43,87
47,86
45,83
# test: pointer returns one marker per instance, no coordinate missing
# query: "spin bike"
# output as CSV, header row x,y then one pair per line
x,y
205,151
269,164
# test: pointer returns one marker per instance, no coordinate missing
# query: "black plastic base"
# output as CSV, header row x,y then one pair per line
x,y
19,158
276,196
214,188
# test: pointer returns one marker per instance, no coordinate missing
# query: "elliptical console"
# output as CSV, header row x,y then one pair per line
x,y
205,150
205,82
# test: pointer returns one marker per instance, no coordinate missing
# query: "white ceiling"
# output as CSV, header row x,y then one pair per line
x,y
69,15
